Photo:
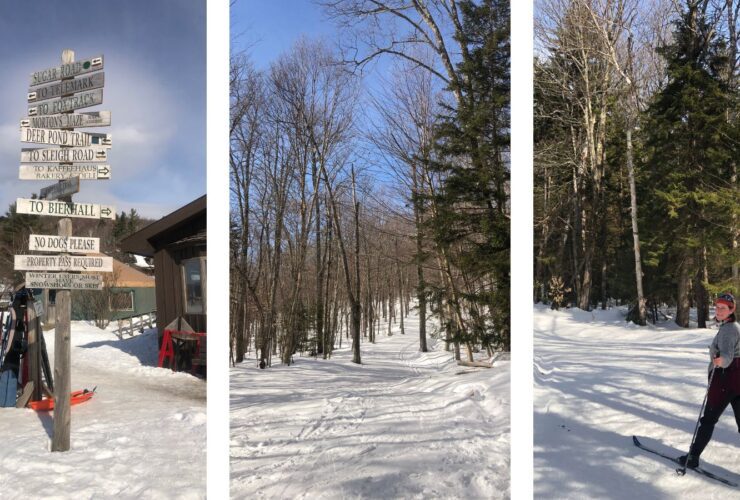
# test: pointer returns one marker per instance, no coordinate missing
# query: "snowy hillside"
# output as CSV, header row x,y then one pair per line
x,y
598,381
402,425
143,435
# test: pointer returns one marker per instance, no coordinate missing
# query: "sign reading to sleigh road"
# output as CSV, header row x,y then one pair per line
x,y
64,137
65,155
65,209
73,120
67,244
64,281
63,263
51,172
67,70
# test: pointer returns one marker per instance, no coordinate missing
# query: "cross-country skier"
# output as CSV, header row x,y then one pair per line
x,y
725,386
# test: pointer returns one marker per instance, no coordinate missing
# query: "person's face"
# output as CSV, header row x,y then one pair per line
x,y
723,311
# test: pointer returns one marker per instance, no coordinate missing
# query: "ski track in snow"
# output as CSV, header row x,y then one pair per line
x,y
598,381
401,425
143,434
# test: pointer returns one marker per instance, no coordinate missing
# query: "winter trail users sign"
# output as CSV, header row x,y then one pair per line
x,y
69,244
64,209
51,172
64,281
69,70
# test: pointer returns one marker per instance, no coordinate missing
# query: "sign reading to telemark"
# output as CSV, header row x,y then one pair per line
x,y
67,87
64,281
65,209
64,155
74,120
67,70
61,189
64,104
64,137
68,244
51,172
63,263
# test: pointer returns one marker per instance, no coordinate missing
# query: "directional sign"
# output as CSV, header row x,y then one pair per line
x,y
64,137
65,155
67,87
51,172
75,120
65,209
64,281
61,189
63,263
64,104
67,70
68,244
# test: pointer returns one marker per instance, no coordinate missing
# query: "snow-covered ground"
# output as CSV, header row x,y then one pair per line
x,y
143,435
404,424
600,380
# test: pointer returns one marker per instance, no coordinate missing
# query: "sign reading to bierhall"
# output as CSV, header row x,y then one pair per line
x,y
64,281
68,244
65,209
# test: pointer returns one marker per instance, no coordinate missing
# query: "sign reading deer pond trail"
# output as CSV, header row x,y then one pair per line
x,y
72,120
64,281
56,171
65,209
64,137
67,244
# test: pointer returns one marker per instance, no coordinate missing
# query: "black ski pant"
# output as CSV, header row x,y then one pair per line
x,y
710,418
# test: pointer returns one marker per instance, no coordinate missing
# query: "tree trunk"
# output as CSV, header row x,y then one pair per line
x,y
641,310
682,296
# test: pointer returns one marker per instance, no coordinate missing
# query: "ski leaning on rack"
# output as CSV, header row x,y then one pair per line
x,y
675,460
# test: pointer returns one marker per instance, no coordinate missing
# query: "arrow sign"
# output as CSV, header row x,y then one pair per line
x,y
52,172
67,87
65,209
68,244
76,120
61,189
67,70
64,104
64,137
64,281
63,263
64,155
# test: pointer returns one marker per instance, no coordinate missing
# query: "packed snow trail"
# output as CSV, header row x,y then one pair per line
x,y
403,424
143,434
600,380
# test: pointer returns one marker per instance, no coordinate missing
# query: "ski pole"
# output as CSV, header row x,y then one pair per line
x,y
682,470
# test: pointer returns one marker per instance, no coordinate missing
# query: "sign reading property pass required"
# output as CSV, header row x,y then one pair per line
x,y
64,209
63,263
64,281
71,244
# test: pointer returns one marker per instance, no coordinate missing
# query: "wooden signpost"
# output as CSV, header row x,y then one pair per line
x,y
72,120
58,171
54,94
64,137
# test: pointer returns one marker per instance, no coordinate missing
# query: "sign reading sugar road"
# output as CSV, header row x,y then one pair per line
x,y
63,263
64,137
67,70
65,209
64,155
52,172
64,281
67,187
74,120
64,104
69,244
66,87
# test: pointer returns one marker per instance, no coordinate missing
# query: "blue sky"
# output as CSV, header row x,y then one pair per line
x,y
155,88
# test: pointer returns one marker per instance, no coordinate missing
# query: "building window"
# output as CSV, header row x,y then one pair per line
x,y
194,278
122,301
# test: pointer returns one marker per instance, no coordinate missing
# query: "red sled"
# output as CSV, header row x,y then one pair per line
x,y
76,398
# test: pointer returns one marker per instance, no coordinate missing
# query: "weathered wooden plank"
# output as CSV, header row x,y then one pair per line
x,y
64,155
63,263
61,189
69,244
65,209
64,104
67,87
69,70
64,137
51,171
74,120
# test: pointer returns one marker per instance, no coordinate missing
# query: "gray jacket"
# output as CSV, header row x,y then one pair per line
x,y
726,343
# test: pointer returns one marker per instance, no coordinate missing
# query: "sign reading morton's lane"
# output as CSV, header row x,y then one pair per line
x,y
64,209
51,171
64,281
63,263
67,70
64,137
75,120
69,244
